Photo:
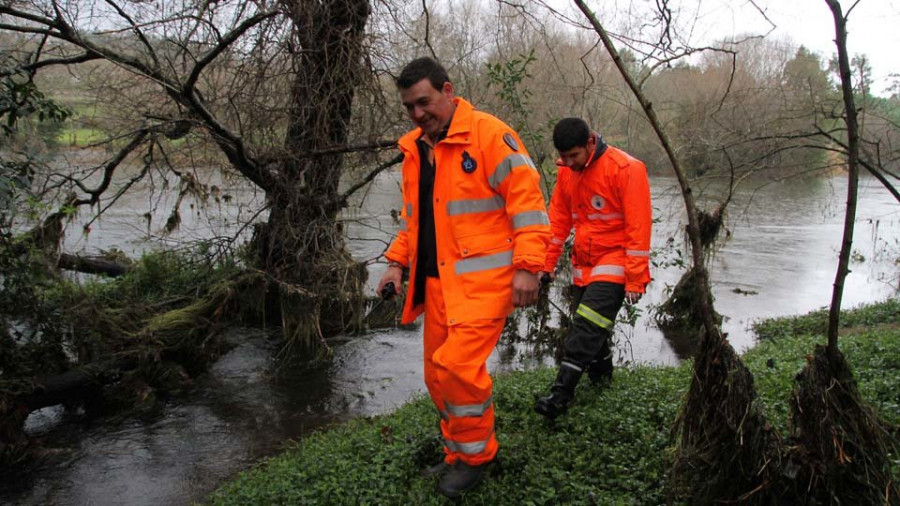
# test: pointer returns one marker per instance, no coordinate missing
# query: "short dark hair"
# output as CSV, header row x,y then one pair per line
x,y
422,68
570,133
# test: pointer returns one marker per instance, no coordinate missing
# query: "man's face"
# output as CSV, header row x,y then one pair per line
x,y
577,157
428,108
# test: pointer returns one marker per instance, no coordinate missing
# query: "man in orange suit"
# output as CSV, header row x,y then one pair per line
x,y
474,236
604,194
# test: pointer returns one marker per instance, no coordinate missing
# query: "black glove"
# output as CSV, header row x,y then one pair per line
x,y
388,291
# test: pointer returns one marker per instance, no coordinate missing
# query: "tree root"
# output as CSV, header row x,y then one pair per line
x,y
726,448
841,448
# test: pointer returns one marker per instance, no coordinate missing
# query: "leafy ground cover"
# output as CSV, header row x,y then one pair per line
x,y
614,447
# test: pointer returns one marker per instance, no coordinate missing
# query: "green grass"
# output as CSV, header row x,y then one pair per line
x,y
816,322
74,136
614,446
82,128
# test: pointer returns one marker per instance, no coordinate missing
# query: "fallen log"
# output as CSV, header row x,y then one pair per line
x,y
91,265
72,385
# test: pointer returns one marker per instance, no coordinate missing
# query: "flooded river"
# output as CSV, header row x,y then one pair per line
x,y
780,259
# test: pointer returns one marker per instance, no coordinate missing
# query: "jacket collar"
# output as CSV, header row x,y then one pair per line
x,y
460,125
599,148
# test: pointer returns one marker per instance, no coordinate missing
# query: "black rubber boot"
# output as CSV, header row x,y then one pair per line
x,y
439,468
561,393
600,372
460,478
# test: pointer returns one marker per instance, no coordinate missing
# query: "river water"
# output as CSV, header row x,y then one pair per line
x,y
779,259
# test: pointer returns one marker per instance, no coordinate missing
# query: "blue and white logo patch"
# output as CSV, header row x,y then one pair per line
x,y
597,202
468,163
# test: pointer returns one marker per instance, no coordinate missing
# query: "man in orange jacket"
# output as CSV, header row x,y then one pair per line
x,y
474,236
604,194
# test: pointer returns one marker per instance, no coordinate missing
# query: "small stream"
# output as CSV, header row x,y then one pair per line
x,y
779,260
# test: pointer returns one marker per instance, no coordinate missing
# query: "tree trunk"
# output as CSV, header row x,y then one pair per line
x,y
840,30
302,243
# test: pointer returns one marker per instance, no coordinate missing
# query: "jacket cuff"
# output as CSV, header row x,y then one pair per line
x,y
525,264
396,259
635,287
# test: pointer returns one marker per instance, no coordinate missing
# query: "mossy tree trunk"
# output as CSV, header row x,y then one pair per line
x,y
303,242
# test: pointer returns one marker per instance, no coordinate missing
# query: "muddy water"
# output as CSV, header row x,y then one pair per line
x,y
780,259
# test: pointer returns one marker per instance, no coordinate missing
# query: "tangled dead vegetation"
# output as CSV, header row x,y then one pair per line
x,y
727,452
841,449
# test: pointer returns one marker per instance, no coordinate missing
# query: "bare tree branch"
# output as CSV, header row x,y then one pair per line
x,y
137,31
875,171
428,28
84,57
227,40
111,167
366,180
374,146
28,29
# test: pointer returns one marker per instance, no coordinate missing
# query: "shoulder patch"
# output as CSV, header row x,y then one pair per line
x,y
510,141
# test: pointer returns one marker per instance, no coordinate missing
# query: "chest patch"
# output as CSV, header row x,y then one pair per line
x,y
597,202
468,163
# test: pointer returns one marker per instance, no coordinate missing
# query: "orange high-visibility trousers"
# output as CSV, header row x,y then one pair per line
x,y
458,380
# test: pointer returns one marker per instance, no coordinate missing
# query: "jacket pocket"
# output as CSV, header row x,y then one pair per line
x,y
484,243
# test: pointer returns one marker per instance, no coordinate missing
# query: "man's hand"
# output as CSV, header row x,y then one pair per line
x,y
633,297
393,274
525,287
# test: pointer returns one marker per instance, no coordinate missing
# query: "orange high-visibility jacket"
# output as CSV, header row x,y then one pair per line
x,y
608,203
489,215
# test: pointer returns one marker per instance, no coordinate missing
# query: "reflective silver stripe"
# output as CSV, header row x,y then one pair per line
x,y
637,253
594,317
487,262
557,241
577,274
409,209
505,167
469,409
457,207
530,218
612,270
570,365
473,448
605,217
444,415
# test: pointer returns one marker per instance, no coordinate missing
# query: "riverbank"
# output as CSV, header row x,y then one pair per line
x,y
614,447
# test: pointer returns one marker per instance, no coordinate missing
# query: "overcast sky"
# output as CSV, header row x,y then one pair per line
x,y
873,28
